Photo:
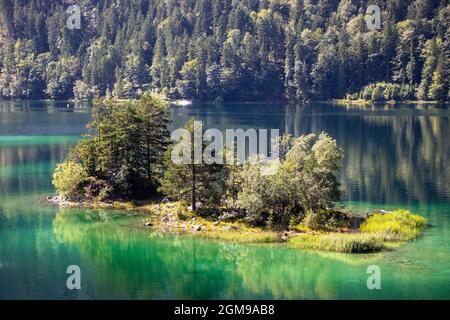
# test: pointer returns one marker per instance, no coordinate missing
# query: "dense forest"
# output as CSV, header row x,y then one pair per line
x,y
225,49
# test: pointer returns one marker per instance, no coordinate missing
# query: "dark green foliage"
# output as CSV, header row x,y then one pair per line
x,y
225,50
326,220
124,157
381,91
191,182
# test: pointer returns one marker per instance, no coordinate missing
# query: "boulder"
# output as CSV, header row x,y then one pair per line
x,y
379,211
229,216
231,228
199,205
197,227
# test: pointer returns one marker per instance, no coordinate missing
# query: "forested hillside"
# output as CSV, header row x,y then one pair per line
x,y
224,49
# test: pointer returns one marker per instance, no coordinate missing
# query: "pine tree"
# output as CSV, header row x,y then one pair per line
x,y
192,181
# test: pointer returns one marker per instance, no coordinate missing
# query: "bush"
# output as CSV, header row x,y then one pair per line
x,y
378,93
398,225
327,220
392,92
96,189
382,91
68,179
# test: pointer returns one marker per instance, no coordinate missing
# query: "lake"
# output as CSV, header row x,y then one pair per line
x,y
395,157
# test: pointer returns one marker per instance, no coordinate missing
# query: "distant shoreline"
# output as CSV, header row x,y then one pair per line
x,y
363,102
187,102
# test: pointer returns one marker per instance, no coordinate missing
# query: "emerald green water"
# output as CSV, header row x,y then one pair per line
x,y
395,157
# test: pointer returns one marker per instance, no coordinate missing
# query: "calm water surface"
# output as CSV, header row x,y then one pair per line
x,y
395,157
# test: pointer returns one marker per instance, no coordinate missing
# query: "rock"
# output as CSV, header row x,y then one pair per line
x,y
199,205
189,208
284,238
55,199
194,218
356,221
165,200
148,224
229,216
231,228
380,211
197,227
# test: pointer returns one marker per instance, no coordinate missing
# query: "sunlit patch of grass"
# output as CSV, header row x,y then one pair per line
x,y
235,232
399,225
338,242
239,236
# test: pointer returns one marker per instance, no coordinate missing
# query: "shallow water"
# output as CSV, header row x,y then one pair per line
x,y
395,157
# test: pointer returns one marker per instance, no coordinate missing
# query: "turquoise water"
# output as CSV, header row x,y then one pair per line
x,y
395,157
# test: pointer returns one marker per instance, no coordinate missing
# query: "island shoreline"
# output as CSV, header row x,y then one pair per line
x,y
173,218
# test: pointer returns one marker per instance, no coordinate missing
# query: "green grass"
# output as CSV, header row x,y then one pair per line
x,y
338,242
241,237
399,225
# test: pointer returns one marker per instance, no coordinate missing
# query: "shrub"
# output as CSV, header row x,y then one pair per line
x,y
399,225
392,92
382,91
96,189
328,220
68,179
378,93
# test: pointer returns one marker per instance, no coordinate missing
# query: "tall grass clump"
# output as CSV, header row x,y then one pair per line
x,y
338,242
399,225
241,237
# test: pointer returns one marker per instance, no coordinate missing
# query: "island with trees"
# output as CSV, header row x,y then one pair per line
x,y
125,163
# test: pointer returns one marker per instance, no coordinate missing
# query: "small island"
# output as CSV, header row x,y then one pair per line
x,y
125,163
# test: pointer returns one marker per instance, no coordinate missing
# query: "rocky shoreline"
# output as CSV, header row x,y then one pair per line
x,y
170,217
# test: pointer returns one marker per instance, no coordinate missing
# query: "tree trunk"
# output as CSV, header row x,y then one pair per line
x,y
149,169
194,207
